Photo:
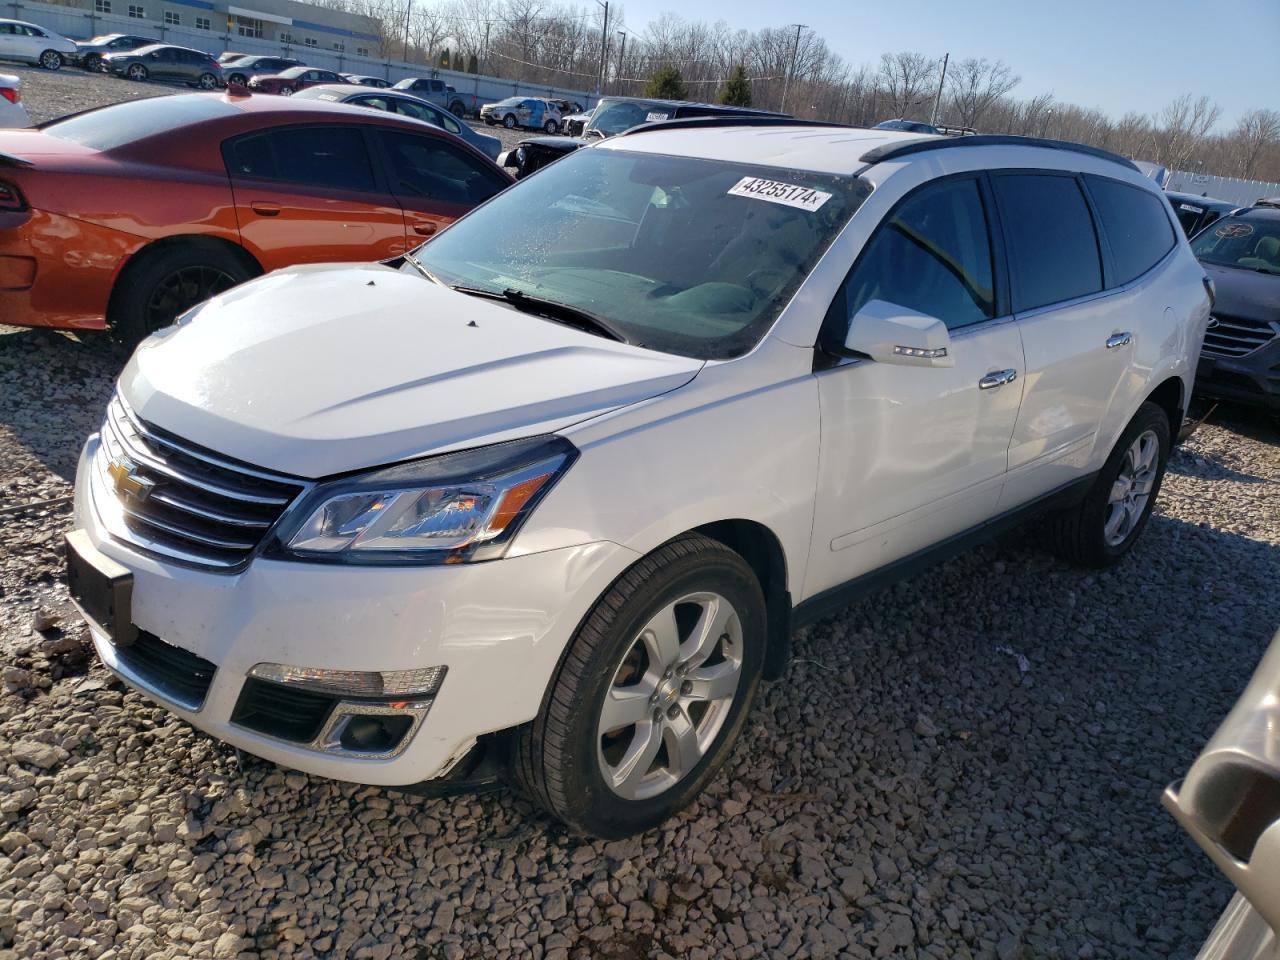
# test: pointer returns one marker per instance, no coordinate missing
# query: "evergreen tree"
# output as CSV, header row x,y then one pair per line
x,y
473,65
444,59
666,84
736,91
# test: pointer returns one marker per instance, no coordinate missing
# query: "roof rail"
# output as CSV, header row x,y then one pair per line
x,y
891,151
727,120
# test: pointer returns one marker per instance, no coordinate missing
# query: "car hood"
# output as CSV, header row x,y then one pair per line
x,y
1247,294
556,144
323,369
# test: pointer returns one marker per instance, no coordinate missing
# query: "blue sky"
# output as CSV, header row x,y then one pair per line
x,y
1117,55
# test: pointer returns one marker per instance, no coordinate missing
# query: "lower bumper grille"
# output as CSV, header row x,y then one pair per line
x,y
282,712
174,673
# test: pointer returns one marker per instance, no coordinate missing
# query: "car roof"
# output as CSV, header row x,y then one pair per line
x,y
1209,203
1260,213
841,150
717,107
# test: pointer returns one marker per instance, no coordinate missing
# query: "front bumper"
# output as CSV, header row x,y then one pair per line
x,y
498,627
1253,379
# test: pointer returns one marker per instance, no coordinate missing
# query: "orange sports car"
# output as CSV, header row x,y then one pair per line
x,y
125,216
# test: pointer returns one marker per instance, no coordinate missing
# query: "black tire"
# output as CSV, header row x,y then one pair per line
x,y
207,81
52,60
138,72
160,285
92,63
556,756
1078,534
458,108
509,121
551,127
238,78
286,91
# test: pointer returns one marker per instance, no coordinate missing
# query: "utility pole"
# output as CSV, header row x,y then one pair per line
x,y
622,56
933,117
604,44
484,48
786,83
408,11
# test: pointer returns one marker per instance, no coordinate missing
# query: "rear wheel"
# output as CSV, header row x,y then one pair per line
x,y
1105,525
652,694
51,60
458,108
164,284
137,72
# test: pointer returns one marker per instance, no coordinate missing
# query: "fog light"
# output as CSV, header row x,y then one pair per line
x,y
374,734
355,683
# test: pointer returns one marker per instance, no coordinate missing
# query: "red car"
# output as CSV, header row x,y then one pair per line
x,y
127,215
288,82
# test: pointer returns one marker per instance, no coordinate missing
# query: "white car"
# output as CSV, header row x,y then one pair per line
x,y
30,43
548,502
12,112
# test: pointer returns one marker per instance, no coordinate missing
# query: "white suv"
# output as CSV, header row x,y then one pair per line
x,y
545,498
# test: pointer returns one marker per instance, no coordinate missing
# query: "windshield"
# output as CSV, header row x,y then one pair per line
x,y
113,126
612,117
1242,242
683,255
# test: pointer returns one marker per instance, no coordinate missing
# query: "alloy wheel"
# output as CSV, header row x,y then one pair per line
x,y
670,695
208,81
137,72
286,91
182,290
51,60
1132,487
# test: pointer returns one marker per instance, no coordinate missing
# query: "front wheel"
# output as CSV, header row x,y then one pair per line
x,y
550,127
286,91
239,79
509,121
137,72
652,693
207,81
1105,525
51,60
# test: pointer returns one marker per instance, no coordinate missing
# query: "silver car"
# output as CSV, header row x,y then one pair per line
x,y
405,104
1230,804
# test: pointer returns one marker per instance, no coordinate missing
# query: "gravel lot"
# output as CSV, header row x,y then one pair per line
x,y
967,765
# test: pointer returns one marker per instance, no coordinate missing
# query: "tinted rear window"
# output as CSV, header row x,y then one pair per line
x,y
1136,226
122,123
334,157
1053,248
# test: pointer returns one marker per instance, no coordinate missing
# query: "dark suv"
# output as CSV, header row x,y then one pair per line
x,y
1241,355
612,116
164,62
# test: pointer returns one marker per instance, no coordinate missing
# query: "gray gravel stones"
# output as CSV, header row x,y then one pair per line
x,y
906,791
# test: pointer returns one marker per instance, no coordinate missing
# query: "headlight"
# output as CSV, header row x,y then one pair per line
x,y
448,509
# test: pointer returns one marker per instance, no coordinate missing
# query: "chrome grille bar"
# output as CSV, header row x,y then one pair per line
x,y
1237,337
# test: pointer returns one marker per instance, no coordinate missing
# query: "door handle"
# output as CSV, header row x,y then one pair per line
x,y
997,378
1119,340
262,208
425,229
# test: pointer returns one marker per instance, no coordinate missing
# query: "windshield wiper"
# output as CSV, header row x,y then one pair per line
x,y
417,265
549,310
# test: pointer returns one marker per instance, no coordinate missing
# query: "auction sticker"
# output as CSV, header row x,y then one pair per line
x,y
656,116
1234,230
788,194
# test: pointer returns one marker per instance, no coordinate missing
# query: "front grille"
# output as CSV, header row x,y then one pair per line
x,y
1238,337
282,711
181,501
174,673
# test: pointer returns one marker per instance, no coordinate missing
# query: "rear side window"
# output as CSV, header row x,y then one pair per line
x,y
333,157
933,255
1053,247
109,127
429,169
1135,224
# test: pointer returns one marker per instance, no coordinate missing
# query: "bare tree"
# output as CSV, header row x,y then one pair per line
x,y
906,80
1257,132
973,86
1183,124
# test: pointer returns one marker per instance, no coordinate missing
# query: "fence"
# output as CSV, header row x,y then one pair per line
x,y
1231,189
77,23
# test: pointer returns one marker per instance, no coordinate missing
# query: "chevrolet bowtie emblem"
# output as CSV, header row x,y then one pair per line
x,y
129,484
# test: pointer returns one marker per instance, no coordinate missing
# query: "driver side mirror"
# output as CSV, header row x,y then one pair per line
x,y
888,333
